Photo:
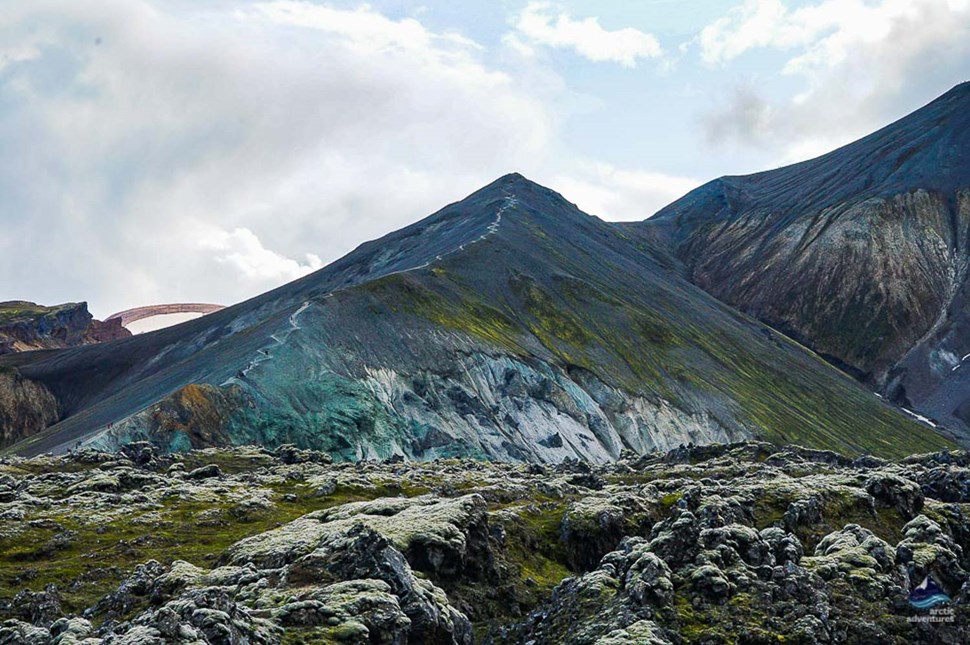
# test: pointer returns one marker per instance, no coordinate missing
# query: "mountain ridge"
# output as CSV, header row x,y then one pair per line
x,y
509,325
861,253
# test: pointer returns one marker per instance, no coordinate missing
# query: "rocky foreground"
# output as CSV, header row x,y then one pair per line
x,y
745,543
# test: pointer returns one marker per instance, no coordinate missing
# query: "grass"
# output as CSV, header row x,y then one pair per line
x,y
18,309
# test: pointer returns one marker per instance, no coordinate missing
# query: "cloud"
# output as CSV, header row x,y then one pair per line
x,y
746,117
369,30
824,33
753,24
539,25
860,64
620,194
244,250
181,151
290,129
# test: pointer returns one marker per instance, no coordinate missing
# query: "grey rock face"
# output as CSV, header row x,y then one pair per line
x,y
26,407
15,632
903,495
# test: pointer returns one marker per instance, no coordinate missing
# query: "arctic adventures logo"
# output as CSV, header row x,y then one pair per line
x,y
929,596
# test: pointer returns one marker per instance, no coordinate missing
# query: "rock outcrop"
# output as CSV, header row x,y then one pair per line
x,y
742,543
26,407
26,326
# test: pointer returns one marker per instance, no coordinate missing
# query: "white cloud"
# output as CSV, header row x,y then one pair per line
x,y
539,24
862,63
366,28
18,53
755,23
746,117
620,194
824,32
244,250
296,130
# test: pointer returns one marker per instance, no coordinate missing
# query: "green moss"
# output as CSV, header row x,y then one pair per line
x,y
767,515
539,539
742,618
455,307
19,309
47,467
312,636
551,322
670,499
533,561
885,523
806,401
837,510
28,560
230,462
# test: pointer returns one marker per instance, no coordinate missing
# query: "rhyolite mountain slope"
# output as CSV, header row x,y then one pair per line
x,y
861,254
26,326
508,326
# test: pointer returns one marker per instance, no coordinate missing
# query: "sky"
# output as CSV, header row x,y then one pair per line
x,y
208,150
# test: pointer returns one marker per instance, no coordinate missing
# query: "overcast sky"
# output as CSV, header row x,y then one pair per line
x,y
193,150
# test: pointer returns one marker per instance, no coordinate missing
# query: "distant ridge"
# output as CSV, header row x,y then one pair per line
x,y
26,326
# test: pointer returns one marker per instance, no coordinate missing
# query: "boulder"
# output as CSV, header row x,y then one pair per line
x,y
892,491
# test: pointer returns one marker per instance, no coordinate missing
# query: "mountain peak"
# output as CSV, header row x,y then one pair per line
x,y
523,189
512,177
928,149
960,89
947,110
510,182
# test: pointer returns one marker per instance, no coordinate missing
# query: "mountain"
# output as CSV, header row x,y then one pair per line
x,y
26,326
861,254
508,326
27,407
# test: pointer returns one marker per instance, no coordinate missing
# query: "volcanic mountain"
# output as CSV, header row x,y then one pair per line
x,y
861,254
509,325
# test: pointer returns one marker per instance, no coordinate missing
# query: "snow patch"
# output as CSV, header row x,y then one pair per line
x,y
920,417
